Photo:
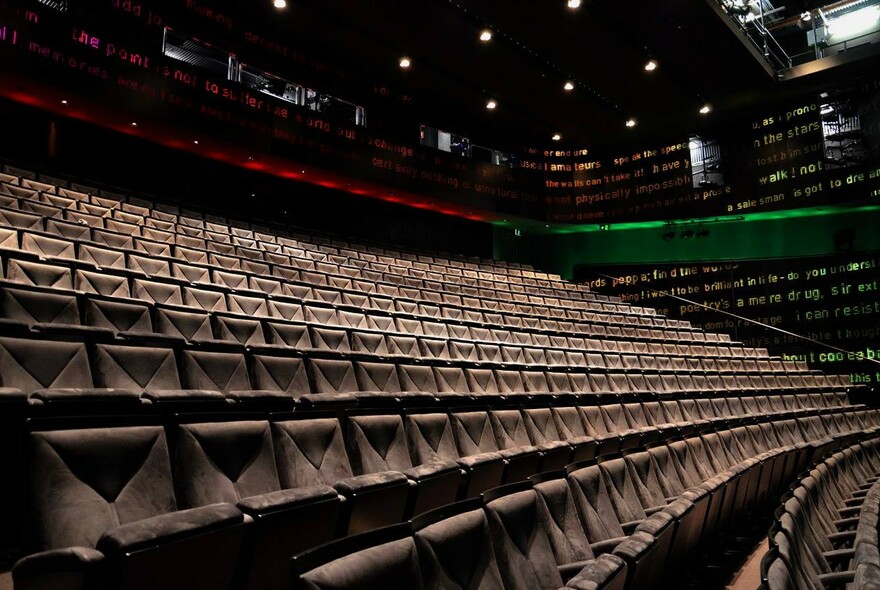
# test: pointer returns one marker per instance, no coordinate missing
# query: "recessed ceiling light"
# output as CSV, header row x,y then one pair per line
x,y
196,142
569,86
486,35
405,62
574,3
651,66
630,122
63,102
706,109
491,105
134,124
279,3
556,137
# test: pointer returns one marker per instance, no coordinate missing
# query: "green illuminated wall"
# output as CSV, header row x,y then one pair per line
x,y
760,236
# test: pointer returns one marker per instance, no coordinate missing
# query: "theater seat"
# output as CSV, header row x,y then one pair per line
x,y
234,462
520,528
108,492
385,558
310,451
455,549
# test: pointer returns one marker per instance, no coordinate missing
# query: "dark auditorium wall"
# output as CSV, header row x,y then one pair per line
x,y
790,235
62,145
810,275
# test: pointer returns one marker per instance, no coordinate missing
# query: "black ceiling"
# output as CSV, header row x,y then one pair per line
x,y
538,45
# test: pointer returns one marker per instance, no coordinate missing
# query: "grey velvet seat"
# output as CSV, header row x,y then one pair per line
x,y
311,451
385,558
234,463
522,529
455,550
379,443
105,515
475,434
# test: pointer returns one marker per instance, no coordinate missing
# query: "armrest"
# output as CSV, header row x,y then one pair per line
x,y
169,527
849,510
518,452
597,573
838,556
569,570
12,394
846,522
655,524
287,499
837,579
842,537
607,545
854,502
630,527
430,470
474,460
361,484
61,569
635,546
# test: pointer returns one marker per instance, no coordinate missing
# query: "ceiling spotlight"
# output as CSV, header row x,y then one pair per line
x,y
134,124
405,62
279,3
574,3
556,137
486,35
569,86
195,142
630,122
491,105
651,66
705,109
63,102
806,16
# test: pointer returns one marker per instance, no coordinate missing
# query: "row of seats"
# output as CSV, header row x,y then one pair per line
x,y
112,494
650,510
825,532
251,296
75,225
255,322
48,261
48,370
48,198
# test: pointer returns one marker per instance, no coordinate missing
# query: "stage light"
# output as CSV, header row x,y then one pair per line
x,y
491,105
806,16
569,86
134,124
405,62
63,102
279,3
631,122
556,137
486,35
706,109
651,66
574,3
195,142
